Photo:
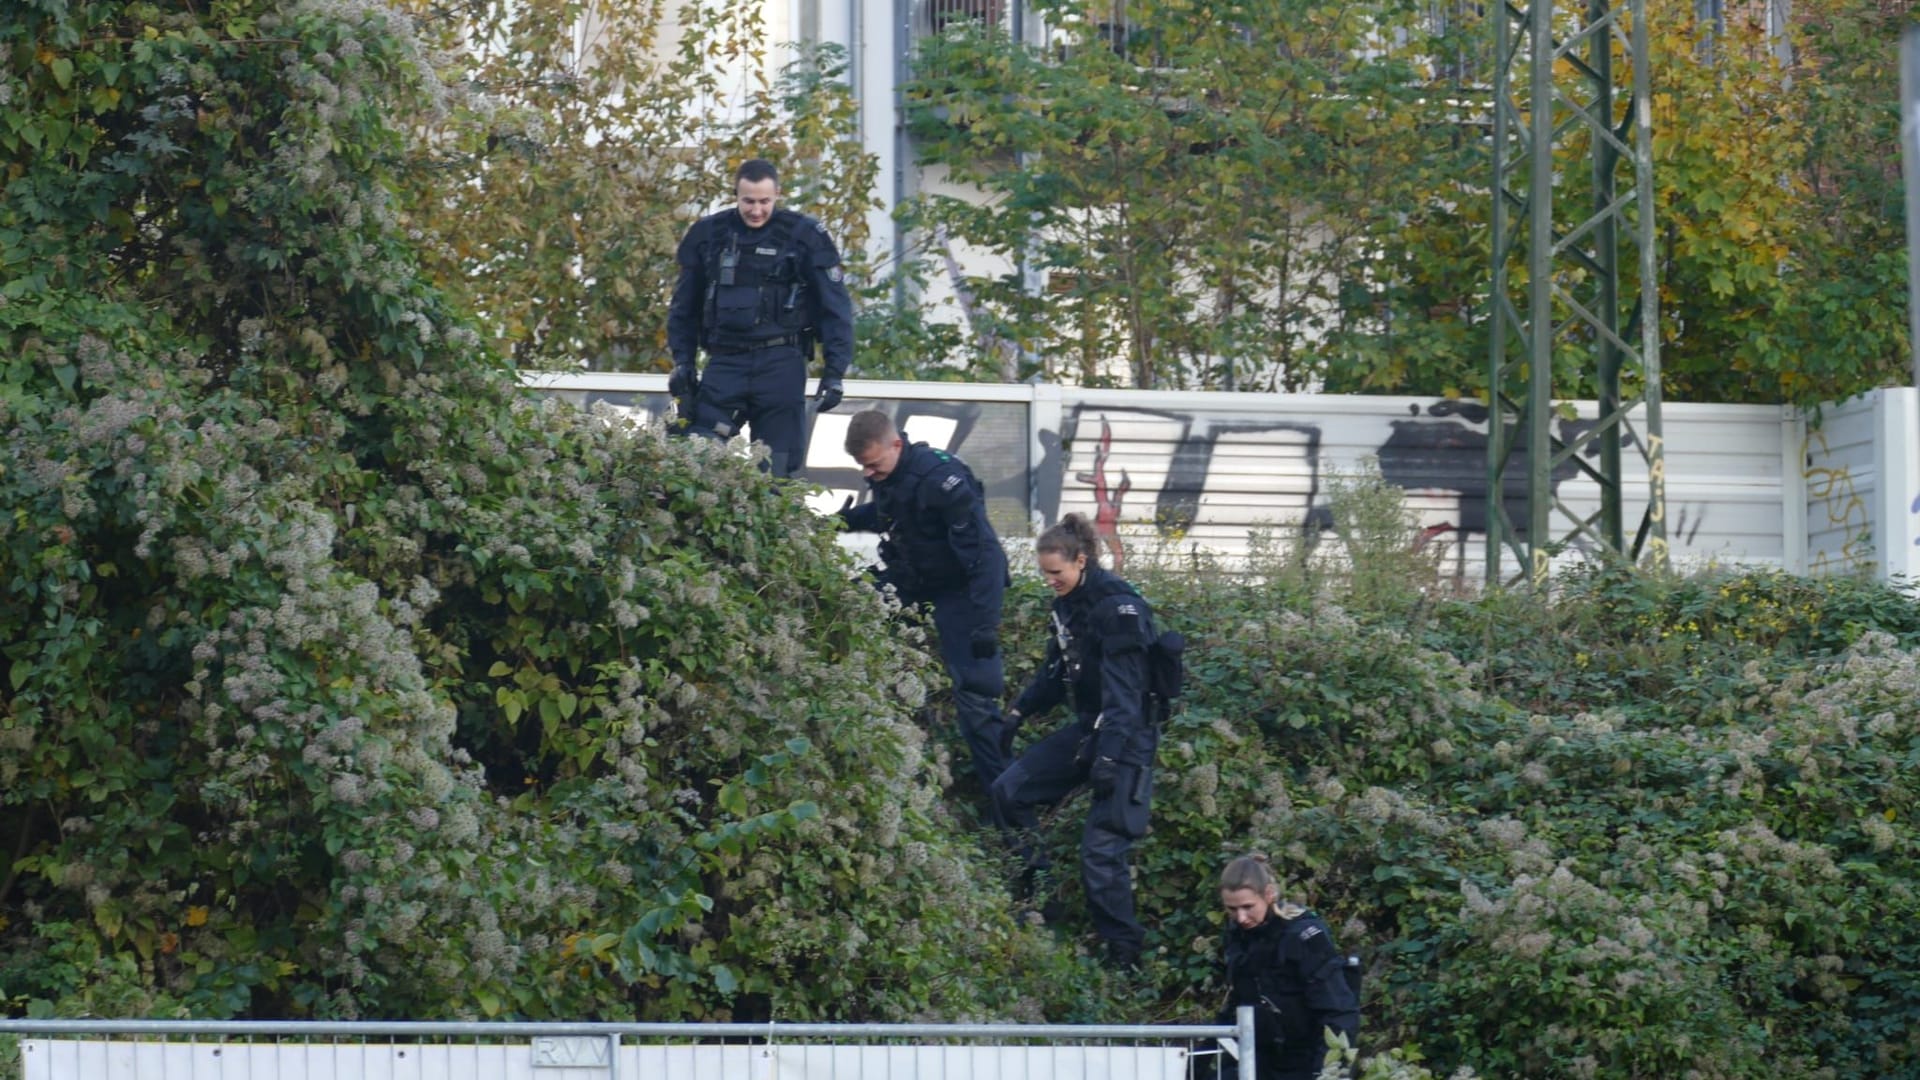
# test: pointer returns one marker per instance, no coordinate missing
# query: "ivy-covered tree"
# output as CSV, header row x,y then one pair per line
x,y
344,678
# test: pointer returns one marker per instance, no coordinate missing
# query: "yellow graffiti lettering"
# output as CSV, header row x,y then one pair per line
x,y
1657,552
1833,489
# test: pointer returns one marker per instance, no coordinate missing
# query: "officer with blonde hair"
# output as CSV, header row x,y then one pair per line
x,y
1281,959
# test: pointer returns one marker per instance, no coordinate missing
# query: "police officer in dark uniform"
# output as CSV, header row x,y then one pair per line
x,y
758,285
1281,959
940,550
1102,630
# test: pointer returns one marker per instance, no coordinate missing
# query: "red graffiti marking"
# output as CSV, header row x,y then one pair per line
x,y
1106,517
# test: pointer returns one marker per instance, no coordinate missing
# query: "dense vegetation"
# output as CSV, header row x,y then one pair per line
x,y
1654,827
343,679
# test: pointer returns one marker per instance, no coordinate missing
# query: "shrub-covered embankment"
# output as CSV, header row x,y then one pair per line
x,y
1652,826
344,679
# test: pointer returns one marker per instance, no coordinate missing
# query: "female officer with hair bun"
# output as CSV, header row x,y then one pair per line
x,y
1097,656
1281,960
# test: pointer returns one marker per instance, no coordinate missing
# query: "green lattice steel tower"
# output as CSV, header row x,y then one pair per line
x,y
1573,282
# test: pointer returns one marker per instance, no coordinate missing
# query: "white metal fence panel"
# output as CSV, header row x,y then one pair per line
x,y
591,1058
308,1050
1899,442
1181,473
1206,471
63,1059
1724,480
1840,484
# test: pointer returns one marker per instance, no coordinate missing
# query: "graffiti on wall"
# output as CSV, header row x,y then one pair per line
x,y
1192,477
1836,504
1109,498
1220,474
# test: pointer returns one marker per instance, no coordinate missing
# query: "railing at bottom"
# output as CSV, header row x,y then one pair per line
x,y
323,1050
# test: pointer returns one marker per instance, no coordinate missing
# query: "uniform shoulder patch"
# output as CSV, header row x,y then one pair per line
x,y
950,482
1310,932
1127,609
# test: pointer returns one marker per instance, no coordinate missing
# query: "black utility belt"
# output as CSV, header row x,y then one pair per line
x,y
753,346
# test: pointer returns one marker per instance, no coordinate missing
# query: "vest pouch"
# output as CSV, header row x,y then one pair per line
x,y
736,308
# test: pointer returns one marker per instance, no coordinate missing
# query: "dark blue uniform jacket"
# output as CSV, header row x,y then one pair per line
x,y
1098,657
1291,972
934,513
790,281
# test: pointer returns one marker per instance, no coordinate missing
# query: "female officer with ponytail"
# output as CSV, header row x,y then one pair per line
x,y
1097,662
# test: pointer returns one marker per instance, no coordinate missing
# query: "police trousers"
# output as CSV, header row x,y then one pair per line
x,y
978,682
1048,772
764,389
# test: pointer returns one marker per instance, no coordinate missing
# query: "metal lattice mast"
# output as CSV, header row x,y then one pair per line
x,y
1558,286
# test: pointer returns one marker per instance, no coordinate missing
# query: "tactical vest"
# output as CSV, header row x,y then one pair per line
x,y
754,286
919,536
1266,970
1083,685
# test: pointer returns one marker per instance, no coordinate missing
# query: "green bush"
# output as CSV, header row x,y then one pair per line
x,y
1641,826
343,678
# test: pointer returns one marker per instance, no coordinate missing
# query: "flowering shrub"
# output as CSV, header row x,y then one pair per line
x,y
1649,827
342,678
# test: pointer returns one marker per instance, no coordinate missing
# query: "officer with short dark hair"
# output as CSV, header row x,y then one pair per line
x,y
758,285
940,550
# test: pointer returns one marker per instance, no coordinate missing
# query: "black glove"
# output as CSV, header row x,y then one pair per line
x,y
846,508
683,384
1105,776
985,642
829,394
